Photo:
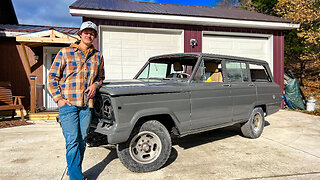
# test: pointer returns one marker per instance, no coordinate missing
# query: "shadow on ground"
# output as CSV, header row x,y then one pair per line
x,y
193,140
185,142
95,171
209,136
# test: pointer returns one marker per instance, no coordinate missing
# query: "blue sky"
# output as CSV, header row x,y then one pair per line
x,y
56,12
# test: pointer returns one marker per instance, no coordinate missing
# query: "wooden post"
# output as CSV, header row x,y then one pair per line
x,y
26,58
33,81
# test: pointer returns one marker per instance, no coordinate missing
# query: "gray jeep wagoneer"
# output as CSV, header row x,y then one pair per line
x,y
181,94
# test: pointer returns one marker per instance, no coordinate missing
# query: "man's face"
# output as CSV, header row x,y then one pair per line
x,y
87,36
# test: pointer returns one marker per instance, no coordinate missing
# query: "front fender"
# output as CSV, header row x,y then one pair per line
x,y
154,111
123,130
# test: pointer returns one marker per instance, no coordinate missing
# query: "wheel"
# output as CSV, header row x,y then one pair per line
x,y
254,126
147,149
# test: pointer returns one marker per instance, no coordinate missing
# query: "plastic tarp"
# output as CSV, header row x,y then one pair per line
x,y
293,94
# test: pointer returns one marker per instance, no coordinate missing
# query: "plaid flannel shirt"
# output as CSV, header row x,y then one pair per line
x,y
72,72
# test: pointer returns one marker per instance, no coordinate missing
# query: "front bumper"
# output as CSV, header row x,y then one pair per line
x,y
114,134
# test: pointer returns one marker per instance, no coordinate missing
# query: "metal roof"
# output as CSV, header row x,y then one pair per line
x,y
35,28
173,9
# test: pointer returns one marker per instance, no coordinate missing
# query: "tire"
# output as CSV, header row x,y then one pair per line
x,y
147,149
254,126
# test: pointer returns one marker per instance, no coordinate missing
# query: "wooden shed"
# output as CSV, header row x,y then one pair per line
x,y
26,53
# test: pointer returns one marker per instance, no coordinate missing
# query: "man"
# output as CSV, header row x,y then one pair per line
x,y
74,76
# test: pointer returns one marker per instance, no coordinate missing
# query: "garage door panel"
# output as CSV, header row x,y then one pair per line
x,y
220,45
134,48
123,36
164,37
251,47
156,52
132,52
115,52
112,44
163,45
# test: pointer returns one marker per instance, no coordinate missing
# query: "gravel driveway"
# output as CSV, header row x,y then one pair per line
x,y
289,148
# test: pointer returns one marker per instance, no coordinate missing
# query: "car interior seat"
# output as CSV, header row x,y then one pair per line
x,y
216,76
177,66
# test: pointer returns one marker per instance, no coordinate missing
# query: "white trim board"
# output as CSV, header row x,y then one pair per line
x,y
12,33
101,14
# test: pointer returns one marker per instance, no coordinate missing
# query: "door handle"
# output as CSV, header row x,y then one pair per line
x,y
226,85
251,85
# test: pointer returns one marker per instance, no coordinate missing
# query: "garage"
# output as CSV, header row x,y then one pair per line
x,y
257,46
166,28
125,50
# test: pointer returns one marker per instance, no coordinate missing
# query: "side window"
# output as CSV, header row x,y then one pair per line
x,y
144,73
157,70
209,71
237,71
259,73
154,70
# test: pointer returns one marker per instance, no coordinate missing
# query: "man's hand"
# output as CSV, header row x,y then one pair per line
x,y
91,90
62,102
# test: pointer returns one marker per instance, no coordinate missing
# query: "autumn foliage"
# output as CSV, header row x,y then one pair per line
x,y
302,45
302,49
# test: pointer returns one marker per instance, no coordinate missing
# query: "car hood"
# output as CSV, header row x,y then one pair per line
x,y
139,87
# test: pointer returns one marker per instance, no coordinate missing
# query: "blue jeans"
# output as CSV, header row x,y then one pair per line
x,y
75,123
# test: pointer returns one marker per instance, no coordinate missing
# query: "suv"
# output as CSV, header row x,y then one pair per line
x,y
181,94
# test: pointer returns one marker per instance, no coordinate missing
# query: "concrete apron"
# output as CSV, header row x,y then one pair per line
x,y
289,148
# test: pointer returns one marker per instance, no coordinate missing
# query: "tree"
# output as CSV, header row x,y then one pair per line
x,y
231,3
303,44
261,6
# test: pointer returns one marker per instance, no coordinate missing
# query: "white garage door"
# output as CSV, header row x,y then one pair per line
x,y
126,50
257,47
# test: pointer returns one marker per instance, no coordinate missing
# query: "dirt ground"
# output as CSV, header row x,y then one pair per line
x,y
6,122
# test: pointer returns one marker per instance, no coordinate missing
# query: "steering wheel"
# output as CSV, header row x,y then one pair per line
x,y
183,75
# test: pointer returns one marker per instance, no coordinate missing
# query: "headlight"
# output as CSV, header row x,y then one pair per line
x,y
107,109
103,109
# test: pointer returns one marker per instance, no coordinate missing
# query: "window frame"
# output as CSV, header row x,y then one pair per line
x,y
266,70
247,71
221,61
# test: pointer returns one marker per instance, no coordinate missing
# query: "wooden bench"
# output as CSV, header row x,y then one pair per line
x,y
6,100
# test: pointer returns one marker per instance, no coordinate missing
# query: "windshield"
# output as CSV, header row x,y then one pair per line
x,y
169,68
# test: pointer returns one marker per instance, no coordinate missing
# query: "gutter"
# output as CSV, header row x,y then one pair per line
x,y
174,19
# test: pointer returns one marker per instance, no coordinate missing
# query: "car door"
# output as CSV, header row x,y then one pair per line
x,y
211,103
242,90
268,92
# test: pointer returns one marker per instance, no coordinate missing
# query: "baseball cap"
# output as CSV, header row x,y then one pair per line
x,y
87,25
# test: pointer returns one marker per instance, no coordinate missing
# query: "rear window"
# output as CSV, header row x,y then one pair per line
x,y
259,73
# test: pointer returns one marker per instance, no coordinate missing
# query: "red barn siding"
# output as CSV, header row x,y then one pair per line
x,y
192,34
12,69
278,61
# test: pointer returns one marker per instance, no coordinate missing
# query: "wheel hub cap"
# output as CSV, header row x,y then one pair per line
x,y
145,147
257,121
